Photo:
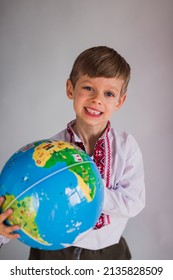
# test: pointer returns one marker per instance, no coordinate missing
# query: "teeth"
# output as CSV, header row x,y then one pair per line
x,y
93,111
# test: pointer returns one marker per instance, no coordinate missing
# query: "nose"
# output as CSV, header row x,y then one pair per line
x,y
96,99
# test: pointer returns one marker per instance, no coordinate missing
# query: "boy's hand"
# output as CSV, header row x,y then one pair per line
x,y
7,231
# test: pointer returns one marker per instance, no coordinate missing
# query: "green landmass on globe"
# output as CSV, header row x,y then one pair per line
x,y
47,155
24,215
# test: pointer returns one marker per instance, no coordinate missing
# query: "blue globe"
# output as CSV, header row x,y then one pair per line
x,y
56,192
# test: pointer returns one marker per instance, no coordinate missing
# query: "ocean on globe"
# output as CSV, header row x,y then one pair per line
x,y
56,192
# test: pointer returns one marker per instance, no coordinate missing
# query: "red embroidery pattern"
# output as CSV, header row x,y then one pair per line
x,y
99,156
108,162
100,159
80,145
102,147
70,132
103,221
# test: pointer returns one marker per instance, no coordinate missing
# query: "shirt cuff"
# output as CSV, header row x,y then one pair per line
x,y
3,240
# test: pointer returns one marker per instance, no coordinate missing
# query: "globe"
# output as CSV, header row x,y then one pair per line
x,y
56,193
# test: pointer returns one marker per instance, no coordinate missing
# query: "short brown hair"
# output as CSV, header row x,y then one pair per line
x,y
101,61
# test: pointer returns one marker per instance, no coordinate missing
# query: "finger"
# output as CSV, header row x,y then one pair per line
x,y
1,200
8,231
11,229
5,215
12,235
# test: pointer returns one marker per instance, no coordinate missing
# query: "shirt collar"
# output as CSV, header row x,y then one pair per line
x,y
75,138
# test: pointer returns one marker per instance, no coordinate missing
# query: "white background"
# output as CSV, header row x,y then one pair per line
x,y
39,41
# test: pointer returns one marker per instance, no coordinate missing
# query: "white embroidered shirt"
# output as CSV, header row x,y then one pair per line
x,y
120,163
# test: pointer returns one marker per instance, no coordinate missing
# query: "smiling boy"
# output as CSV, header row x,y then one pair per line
x,y
97,87
94,101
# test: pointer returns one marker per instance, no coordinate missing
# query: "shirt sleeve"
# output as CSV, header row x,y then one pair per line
x,y
3,240
127,196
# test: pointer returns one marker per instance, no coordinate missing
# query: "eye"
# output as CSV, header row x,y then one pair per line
x,y
109,94
88,88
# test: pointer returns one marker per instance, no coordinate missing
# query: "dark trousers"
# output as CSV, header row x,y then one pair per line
x,y
119,251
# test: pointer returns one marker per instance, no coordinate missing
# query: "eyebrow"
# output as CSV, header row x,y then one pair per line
x,y
88,81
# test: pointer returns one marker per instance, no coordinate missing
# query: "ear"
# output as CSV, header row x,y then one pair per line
x,y
69,89
121,102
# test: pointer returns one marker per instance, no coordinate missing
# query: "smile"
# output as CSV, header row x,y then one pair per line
x,y
93,112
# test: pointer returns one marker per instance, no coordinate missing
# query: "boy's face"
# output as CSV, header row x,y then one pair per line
x,y
95,99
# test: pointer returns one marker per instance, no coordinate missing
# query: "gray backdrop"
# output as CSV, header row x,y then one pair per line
x,y
39,41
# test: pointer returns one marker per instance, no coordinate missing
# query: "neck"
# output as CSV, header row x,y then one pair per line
x,y
88,134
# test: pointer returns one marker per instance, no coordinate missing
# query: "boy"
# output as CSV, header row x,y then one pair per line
x,y
97,86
